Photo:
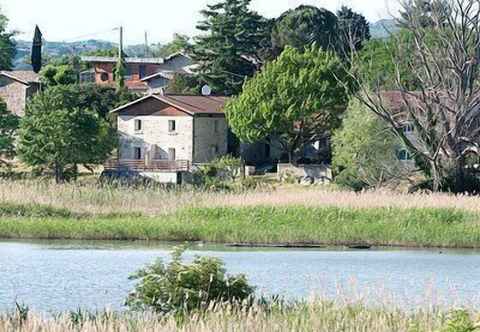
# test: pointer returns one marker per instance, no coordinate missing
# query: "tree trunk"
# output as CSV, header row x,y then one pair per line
x,y
460,176
436,181
59,176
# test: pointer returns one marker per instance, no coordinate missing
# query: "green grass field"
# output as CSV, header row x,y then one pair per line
x,y
415,227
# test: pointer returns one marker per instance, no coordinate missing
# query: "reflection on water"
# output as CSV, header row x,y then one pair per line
x,y
66,275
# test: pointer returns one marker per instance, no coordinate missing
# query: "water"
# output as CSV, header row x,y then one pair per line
x,y
57,276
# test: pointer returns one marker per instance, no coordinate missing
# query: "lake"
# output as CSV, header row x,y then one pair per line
x,y
52,276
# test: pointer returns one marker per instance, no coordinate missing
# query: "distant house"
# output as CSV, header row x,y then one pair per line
x,y
140,72
16,87
168,134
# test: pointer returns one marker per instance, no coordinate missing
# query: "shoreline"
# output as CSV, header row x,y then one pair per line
x,y
263,226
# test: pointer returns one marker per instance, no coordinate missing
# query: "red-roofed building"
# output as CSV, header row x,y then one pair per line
x,y
16,87
170,133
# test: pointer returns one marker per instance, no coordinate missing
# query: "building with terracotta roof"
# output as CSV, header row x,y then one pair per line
x,y
142,74
16,87
170,133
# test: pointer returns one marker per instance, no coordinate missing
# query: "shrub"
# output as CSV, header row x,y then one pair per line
x,y
460,321
178,287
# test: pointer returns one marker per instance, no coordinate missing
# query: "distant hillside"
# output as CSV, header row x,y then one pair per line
x,y
383,28
58,49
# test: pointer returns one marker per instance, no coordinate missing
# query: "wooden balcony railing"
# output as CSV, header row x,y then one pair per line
x,y
152,166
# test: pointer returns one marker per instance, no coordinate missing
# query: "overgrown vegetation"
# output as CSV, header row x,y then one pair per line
x,y
266,225
181,288
313,316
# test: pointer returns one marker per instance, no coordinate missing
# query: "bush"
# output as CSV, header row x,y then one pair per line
x,y
180,288
460,321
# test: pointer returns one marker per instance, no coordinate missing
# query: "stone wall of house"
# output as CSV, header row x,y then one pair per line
x,y
210,138
14,94
154,139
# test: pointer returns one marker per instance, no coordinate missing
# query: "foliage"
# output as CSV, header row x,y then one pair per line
x,y
296,99
179,43
227,52
460,321
8,126
120,72
380,64
180,288
58,136
442,57
353,30
303,26
52,75
364,150
7,45
101,99
184,84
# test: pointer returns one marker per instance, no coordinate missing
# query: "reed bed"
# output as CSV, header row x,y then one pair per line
x,y
315,316
91,198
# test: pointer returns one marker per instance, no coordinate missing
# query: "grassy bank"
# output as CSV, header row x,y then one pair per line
x,y
315,316
422,227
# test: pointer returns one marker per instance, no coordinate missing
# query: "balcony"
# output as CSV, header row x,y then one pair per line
x,y
151,166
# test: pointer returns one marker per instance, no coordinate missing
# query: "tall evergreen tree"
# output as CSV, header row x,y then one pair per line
x,y
228,51
37,50
353,30
303,26
7,45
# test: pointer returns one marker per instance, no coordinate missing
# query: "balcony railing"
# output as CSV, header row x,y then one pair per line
x,y
152,166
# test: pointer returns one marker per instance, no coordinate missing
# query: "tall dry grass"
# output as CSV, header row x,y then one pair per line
x,y
318,316
91,198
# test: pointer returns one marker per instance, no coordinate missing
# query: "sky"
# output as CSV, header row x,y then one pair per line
x,y
73,20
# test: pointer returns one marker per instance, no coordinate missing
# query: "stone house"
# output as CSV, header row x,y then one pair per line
x,y
140,72
168,134
16,87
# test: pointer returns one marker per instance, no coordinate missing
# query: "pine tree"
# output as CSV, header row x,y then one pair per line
x,y
228,52
7,45
353,30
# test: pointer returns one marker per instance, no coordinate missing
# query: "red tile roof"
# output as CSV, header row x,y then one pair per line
x,y
23,76
191,105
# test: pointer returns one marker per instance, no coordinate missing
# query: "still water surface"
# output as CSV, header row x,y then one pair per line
x,y
56,276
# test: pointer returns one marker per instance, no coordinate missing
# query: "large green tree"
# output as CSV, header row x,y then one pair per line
x,y
52,75
353,30
365,150
8,127
296,100
7,45
228,50
55,136
304,26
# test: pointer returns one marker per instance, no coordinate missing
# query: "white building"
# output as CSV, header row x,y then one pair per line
x,y
170,133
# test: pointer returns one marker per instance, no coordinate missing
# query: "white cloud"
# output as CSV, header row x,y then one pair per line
x,y
72,19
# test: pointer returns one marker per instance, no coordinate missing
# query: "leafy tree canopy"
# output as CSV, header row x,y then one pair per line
x,y
228,50
8,127
365,150
381,60
297,99
180,43
304,26
353,30
52,75
7,45
56,136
